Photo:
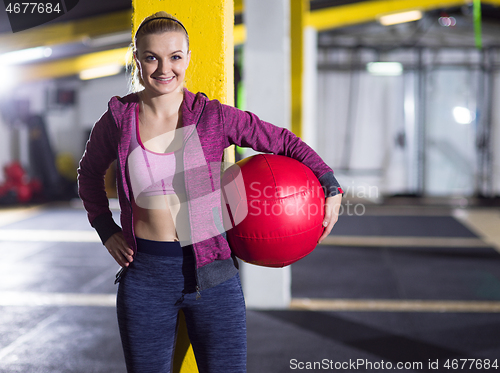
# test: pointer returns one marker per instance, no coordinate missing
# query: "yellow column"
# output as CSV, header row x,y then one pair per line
x,y
298,9
210,26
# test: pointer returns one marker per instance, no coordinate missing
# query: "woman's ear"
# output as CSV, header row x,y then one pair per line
x,y
136,61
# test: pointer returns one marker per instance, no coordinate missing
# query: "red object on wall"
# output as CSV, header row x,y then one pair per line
x,y
17,187
24,193
276,212
14,172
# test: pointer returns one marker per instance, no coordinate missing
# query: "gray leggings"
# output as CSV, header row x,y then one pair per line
x,y
150,294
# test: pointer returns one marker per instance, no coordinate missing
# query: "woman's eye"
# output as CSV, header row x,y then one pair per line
x,y
176,57
150,58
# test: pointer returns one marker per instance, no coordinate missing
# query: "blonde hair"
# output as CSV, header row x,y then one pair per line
x,y
156,23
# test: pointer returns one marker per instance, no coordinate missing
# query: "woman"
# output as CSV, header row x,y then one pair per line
x,y
171,245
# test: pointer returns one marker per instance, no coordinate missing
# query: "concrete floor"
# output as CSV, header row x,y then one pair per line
x,y
57,299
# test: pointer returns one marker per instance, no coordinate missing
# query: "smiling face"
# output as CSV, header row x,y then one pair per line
x,y
162,60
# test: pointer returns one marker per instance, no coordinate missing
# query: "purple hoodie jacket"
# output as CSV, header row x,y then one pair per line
x,y
209,127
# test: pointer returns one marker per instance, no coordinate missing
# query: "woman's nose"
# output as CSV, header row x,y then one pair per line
x,y
164,66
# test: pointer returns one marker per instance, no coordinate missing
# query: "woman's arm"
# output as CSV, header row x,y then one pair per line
x,y
100,152
247,130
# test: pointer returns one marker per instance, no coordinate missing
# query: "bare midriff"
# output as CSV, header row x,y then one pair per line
x,y
159,216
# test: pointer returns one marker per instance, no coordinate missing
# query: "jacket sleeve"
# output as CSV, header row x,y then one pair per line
x,y
100,152
245,129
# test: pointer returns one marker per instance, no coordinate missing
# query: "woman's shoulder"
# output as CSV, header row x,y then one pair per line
x,y
199,102
125,105
120,111
124,100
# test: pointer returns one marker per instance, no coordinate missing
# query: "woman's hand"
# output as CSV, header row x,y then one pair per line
x,y
332,207
119,249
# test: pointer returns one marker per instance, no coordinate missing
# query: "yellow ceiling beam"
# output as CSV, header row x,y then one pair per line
x,y
362,12
368,11
67,32
70,66
322,19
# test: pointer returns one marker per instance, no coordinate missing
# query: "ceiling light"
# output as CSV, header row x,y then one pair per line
x,y
385,68
463,115
100,71
447,21
24,55
395,18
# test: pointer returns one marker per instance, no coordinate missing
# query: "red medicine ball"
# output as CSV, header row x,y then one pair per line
x,y
275,206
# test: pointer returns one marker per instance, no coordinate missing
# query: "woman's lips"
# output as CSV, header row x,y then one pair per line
x,y
164,80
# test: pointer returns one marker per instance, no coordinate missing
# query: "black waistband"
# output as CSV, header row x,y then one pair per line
x,y
163,248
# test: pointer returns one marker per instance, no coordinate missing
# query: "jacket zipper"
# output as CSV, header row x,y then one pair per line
x,y
122,270
198,289
128,199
